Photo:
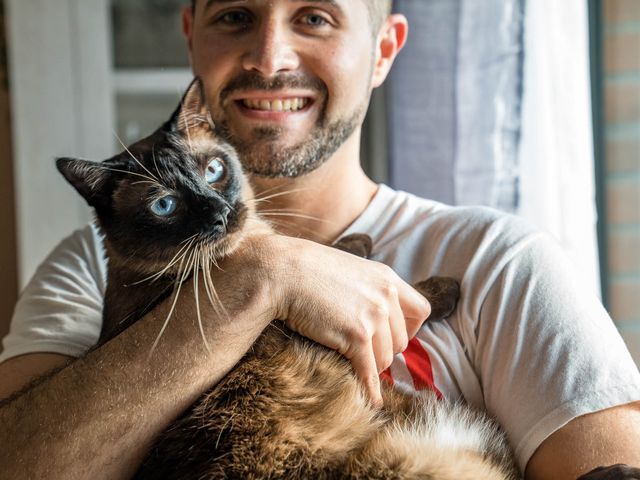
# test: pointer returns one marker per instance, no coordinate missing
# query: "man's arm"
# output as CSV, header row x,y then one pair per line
x,y
603,438
98,416
17,372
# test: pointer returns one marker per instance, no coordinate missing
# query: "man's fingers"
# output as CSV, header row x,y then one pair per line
x,y
415,308
364,363
399,327
382,349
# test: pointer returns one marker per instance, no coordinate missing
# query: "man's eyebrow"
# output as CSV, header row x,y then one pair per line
x,y
211,2
332,3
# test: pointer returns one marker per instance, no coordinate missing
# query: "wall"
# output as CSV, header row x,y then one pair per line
x,y
8,273
622,160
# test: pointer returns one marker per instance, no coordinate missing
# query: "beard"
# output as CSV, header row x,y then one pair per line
x,y
263,154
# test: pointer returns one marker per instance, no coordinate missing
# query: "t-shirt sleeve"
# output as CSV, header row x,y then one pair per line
x,y
546,351
60,309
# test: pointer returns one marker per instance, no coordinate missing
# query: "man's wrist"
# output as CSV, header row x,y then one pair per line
x,y
259,264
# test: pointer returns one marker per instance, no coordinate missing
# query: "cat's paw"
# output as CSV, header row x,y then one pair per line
x,y
614,472
359,244
442,293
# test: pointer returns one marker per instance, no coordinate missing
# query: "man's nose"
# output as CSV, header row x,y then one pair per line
x,y
271,50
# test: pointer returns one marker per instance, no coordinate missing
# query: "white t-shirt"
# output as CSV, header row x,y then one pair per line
x,y
526,342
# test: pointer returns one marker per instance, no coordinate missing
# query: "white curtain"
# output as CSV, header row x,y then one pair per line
x,y
489,104
556,160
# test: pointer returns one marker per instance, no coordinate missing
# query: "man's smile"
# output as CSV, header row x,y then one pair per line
x,y
273,106
277,105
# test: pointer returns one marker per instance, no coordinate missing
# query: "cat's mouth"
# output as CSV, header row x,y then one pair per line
x,y
220,231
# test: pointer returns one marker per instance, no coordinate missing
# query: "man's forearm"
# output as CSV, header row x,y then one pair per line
x,y
97,417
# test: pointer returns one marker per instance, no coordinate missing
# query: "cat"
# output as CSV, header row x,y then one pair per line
x,y
290,408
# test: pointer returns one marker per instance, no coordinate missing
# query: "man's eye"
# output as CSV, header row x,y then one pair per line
x,y
234,18
314,20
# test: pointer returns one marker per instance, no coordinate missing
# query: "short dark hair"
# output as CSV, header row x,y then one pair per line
x,y
379,10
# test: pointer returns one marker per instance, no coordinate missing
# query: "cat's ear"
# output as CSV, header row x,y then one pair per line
x,y
87,177
192,115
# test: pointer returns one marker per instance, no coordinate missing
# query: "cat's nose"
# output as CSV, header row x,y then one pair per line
x,y
220,216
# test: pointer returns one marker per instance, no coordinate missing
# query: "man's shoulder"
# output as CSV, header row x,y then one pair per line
x,y
79,255
418,236
84,244
412,211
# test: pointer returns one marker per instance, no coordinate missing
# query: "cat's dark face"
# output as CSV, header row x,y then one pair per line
x,y
181,185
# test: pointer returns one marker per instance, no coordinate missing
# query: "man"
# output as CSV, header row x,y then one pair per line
x,y
287,82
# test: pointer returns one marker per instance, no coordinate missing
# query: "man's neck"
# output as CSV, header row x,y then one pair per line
x,y
320,205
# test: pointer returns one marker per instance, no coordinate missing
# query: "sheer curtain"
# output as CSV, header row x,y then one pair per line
x,y
489,104
556,152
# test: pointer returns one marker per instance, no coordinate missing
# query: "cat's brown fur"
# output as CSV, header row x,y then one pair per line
x,y
291,408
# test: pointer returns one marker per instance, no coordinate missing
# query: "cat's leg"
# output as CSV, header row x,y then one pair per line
x,y
443,294
614,472
359,244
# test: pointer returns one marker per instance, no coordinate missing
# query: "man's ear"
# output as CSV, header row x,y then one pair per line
x,y
390,40
187,28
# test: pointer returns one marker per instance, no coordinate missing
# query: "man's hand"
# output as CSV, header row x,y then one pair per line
x,y
358,307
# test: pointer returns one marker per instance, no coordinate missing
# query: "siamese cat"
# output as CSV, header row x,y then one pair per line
x,y
291,408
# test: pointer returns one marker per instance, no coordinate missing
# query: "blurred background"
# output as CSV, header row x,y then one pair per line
x,y
530,106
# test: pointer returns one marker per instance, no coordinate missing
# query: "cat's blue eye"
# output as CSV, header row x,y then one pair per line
x,y
214,172
164,206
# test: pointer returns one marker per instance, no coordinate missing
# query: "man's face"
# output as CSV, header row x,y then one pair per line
x,y
287,81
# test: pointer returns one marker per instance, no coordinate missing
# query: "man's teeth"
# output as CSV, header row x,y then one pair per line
x,y
285,105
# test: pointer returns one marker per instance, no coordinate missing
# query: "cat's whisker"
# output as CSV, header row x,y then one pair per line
x,y
260,198
204,265
177,287
134,157
213,260
186,244
175,259
295,215
214,299
278,187
166,322
153,156
196,275
285,210
136,174
139,182
275,187
190,238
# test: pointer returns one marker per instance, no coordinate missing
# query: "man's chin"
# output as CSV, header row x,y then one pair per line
x,y
270,138
279,161
270,151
